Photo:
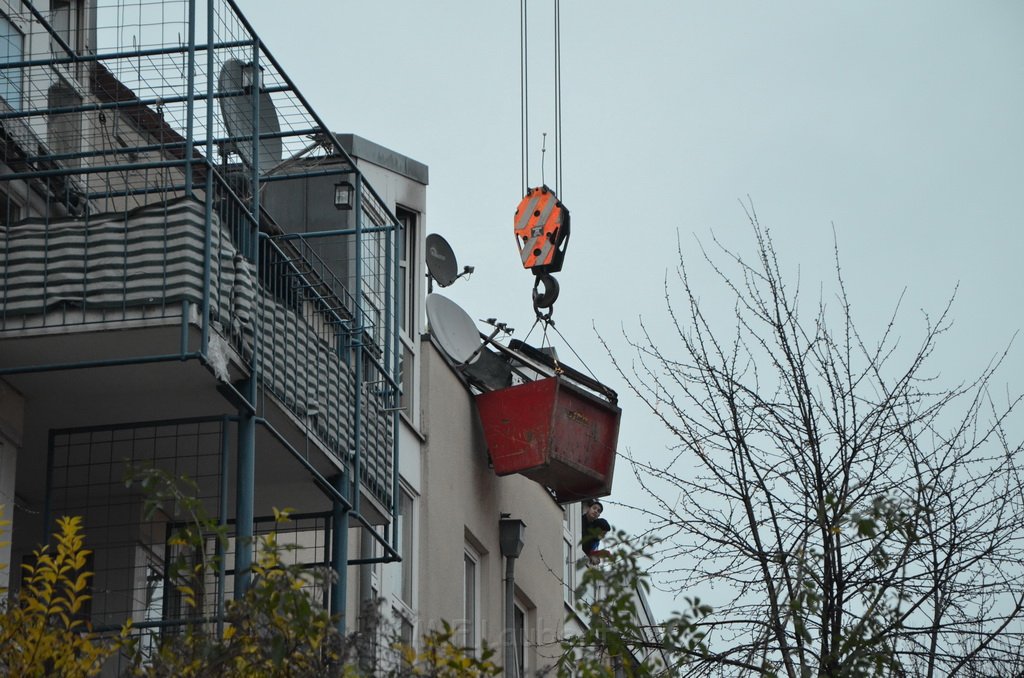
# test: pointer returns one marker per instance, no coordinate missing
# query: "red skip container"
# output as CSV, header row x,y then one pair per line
x,y
554,433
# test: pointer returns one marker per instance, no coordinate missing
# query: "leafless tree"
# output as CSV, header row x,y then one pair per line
x,y
843,511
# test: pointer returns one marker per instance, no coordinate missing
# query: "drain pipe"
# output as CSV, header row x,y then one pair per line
x,y
511,539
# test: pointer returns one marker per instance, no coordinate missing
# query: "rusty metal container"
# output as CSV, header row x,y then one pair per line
x,y
554,433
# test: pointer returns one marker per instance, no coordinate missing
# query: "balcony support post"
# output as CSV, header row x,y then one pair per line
x,y
339,552
245,491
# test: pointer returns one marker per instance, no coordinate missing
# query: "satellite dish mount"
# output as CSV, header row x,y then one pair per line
x,y
248,109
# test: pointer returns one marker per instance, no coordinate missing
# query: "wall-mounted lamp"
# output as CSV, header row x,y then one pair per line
x,y
511,536
252,77
344,192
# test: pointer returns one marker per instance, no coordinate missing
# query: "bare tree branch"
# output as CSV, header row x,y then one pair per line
x,y
856,514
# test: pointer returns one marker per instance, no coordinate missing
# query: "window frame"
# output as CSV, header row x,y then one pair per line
x,y
569,545
409,323
11,209
7,83
521,640
408,256
67,20
471,599
153,581
407,536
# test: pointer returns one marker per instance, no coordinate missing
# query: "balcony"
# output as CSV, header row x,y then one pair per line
x,y
158,287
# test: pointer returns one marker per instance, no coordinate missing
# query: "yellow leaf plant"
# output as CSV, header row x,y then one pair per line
x,y
42,632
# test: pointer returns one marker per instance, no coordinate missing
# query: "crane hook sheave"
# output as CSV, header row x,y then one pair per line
x,y
541,227
542,230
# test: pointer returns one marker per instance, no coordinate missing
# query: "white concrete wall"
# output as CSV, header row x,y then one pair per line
x,y
463,501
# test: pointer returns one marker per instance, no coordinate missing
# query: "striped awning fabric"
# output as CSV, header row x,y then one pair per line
x,y
152,255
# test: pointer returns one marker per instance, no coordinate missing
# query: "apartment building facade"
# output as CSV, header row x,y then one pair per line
x,y
162,307
198,276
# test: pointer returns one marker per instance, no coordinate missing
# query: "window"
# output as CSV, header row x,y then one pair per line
x,y
409,275
150,598
406,375
568,556
12,45
402,575
406,632
66,18
519,624
10,211
568,572
407,260
471,599
405,531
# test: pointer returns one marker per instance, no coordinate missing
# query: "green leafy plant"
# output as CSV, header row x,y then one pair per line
x,y
275,629
442,657
617,641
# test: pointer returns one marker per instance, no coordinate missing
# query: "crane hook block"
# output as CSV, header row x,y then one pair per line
x,y
542,230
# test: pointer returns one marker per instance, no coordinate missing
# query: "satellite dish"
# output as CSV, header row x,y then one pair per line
x,y
239,120
454,329
441,260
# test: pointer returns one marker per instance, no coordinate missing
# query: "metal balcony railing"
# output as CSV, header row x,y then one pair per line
x,y
135,153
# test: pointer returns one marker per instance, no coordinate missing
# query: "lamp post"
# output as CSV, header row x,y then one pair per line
x,y
511,538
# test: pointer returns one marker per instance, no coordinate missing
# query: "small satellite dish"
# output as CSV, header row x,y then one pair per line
x,y
239,120
454,329
441,260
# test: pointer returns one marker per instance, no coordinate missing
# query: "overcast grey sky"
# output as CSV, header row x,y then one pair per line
x,y
901,125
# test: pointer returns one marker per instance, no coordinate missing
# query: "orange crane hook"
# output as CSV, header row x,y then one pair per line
x,y
542,235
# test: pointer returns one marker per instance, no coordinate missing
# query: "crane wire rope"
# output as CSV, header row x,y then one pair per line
x,y
542,318
524,96
558,99
545,341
